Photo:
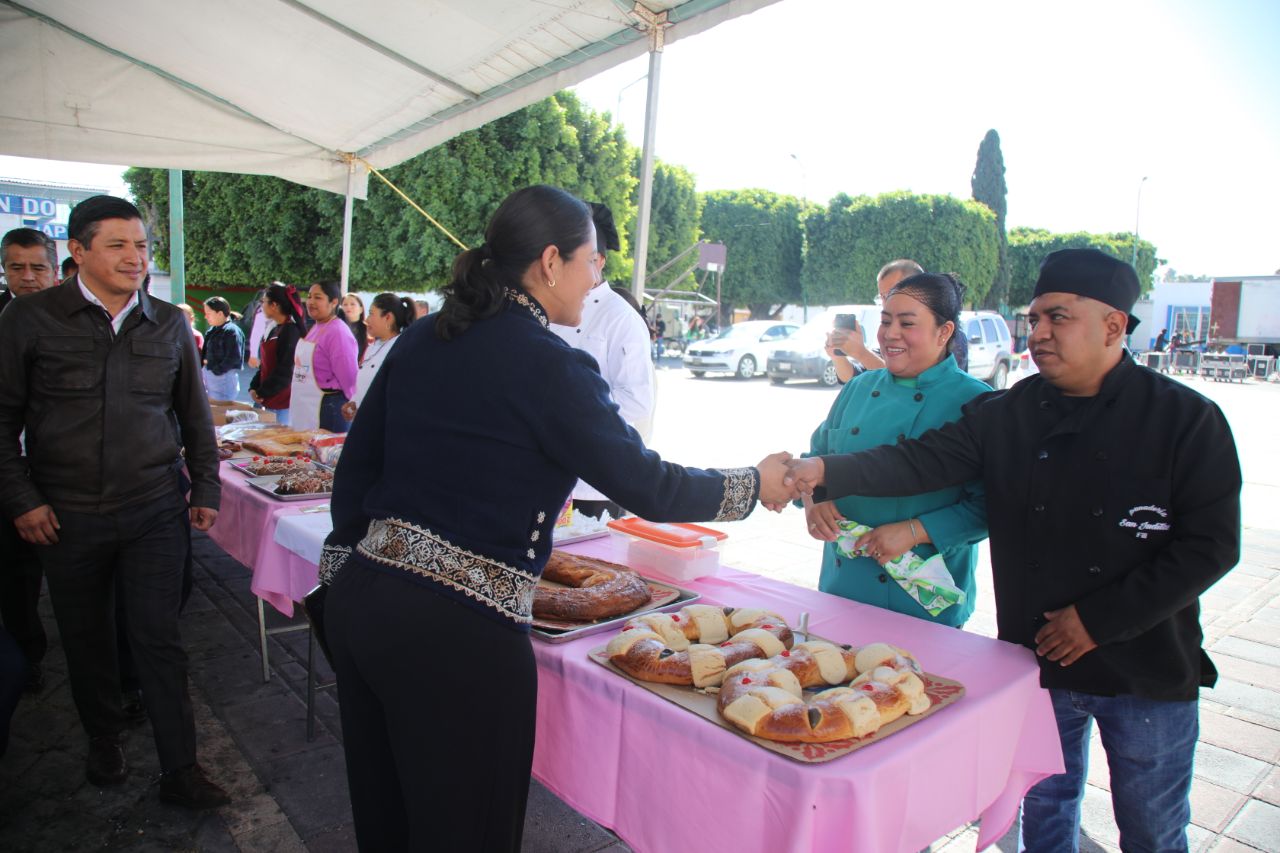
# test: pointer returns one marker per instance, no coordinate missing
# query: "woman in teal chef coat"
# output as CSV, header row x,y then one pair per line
x,y
920,387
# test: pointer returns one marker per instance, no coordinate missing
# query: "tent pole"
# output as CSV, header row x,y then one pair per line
x,y
177,241
346,225
646,167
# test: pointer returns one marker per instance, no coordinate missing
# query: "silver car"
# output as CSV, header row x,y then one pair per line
x,y
741,349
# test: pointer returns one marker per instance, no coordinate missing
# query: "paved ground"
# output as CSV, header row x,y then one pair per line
x,y
290,794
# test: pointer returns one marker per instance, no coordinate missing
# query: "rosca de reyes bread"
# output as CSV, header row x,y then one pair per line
x,y
696,644
596,589
765,698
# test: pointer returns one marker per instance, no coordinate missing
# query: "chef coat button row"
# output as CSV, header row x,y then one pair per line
x,y
1042,455
1044,404
1097,512
1095,570
854,431
1039,507
883,578
1033,565
875,393
919,397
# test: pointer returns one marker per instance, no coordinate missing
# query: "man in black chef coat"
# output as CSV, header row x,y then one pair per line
x,y
1113,497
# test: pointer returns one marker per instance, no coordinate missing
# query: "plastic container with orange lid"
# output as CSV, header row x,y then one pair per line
x,y
679,552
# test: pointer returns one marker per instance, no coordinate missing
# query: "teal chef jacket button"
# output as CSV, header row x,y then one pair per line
x,y
919,397
854,431
875,393
883,578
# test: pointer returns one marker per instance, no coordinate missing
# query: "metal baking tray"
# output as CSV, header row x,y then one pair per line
x,y
241,464
267,485
683,597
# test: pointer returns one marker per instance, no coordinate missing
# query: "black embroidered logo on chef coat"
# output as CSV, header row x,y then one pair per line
x,y
1146,519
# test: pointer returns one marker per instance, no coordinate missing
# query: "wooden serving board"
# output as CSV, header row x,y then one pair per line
x,y
941,692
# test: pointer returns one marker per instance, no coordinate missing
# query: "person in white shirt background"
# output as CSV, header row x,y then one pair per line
x,y
389,315
615,335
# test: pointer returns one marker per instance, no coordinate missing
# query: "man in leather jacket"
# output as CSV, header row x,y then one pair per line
x,y
105,381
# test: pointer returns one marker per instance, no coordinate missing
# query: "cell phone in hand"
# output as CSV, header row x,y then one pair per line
x,y
848,322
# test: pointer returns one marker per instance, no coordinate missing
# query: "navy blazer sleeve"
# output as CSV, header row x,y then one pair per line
x,y
590,439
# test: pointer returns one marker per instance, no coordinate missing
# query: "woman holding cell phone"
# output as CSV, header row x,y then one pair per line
x,y
920,388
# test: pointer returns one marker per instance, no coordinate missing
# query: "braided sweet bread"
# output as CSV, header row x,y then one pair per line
x,y
697,644
765,698
599,589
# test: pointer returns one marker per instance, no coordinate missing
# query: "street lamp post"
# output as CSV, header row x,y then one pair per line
x,y
1136,216
804,204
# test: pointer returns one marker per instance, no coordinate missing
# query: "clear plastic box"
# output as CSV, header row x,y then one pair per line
x,y
650,549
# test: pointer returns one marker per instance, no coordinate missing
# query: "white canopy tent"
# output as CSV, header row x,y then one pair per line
x,y
292,88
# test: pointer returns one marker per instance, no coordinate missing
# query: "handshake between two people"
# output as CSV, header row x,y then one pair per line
x,y
784,478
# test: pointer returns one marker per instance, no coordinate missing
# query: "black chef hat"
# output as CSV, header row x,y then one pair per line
x,y
606,231
1091,273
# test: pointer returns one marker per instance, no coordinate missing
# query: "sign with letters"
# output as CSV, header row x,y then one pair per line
x,y
28,206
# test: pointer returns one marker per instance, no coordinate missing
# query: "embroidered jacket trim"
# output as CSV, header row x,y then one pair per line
x,y
741,486
332,559
406,546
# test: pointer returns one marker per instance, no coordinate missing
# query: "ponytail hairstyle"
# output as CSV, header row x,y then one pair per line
x,y
332,291
402,309
218,304
528,221
941,293
285,298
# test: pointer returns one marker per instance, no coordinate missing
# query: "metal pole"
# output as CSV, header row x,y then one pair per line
x,y
346,225
646,174
177,241
1136,214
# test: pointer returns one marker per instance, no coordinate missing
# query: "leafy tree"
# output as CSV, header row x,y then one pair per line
x,y
853,238
674,218
1028,247
989,187
248,229
761,233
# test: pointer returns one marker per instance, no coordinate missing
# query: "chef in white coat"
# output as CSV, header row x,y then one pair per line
x,y
616,336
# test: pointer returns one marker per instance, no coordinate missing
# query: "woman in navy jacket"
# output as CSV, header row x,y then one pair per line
x,y
463,452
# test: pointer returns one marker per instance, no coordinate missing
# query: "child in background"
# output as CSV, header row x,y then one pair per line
x,y
223,351
191,321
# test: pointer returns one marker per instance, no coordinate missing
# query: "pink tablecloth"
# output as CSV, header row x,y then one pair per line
x,y
665,780
245,529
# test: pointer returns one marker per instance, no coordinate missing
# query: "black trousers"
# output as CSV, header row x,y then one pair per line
x,y
20,579
438,710
137,553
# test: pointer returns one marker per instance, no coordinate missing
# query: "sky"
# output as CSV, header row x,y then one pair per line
x,y
818,97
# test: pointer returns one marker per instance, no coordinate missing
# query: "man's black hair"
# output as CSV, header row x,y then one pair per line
x,y
86,215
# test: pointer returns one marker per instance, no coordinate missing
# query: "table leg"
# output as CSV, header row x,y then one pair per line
x,y
262,642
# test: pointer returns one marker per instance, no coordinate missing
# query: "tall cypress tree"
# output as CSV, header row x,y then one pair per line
x,y
989,188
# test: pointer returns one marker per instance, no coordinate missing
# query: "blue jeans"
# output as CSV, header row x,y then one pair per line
x,y
331,413
1150,747
282,415
225,387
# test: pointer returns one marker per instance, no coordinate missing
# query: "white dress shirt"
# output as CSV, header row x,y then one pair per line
x,y
117,322
618,339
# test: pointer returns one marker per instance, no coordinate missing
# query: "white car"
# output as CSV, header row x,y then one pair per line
x,y
804,356
741,349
